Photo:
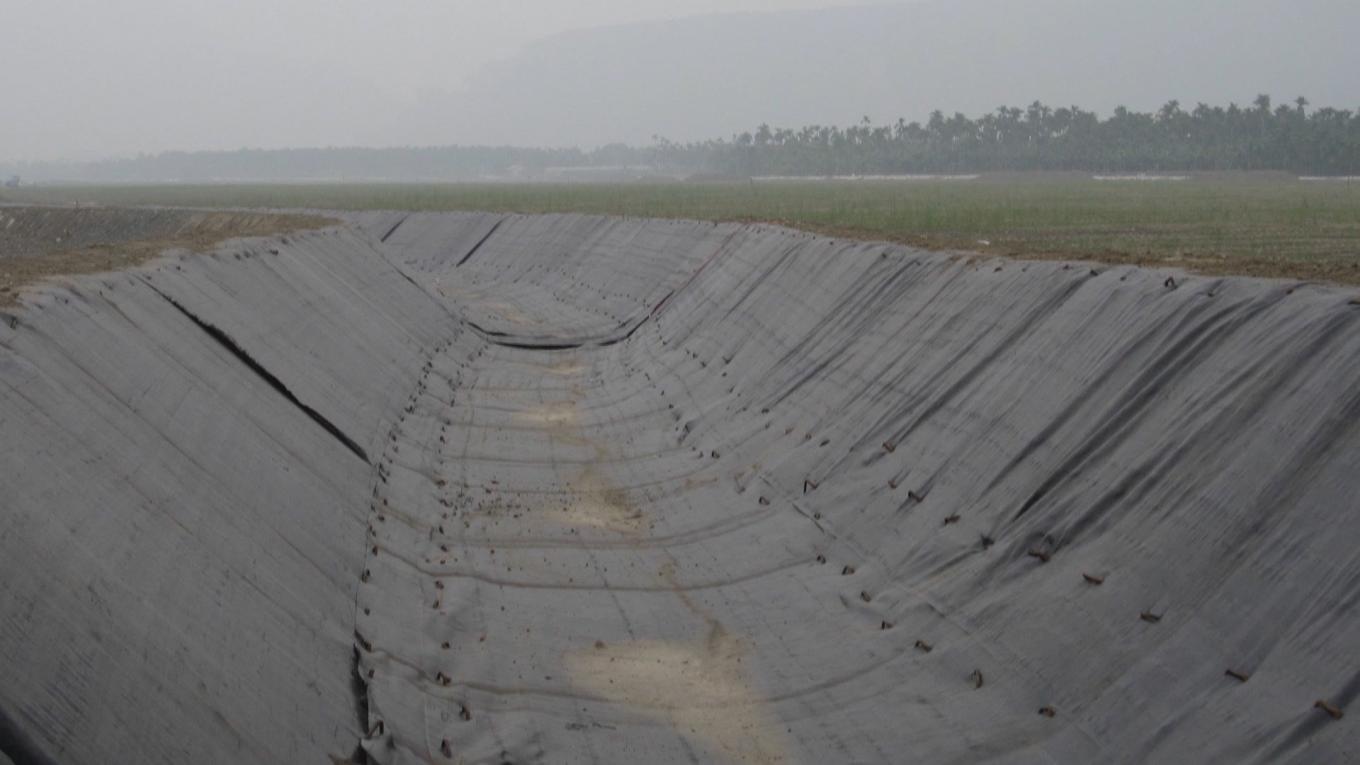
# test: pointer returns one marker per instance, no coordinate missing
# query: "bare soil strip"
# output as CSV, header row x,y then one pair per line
x,y
43,243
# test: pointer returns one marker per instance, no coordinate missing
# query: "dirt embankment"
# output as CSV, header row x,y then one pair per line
x,y
42,242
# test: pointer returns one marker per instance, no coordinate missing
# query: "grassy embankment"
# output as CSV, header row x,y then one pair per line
x,y
1251,225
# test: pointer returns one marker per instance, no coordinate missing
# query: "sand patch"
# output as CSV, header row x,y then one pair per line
x,y
592,500
597,504
567,368
559,414
697,687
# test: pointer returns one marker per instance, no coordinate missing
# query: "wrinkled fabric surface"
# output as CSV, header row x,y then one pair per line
x,y
487,488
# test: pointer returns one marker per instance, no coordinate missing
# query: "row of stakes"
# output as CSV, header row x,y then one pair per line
x,y
464,713
1043,556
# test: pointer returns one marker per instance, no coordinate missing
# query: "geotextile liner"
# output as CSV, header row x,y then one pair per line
x,y
487,488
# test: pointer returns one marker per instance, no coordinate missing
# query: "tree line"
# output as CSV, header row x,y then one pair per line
x,y
1287,137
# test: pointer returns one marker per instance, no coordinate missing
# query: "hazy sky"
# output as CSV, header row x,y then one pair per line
x,y
86,79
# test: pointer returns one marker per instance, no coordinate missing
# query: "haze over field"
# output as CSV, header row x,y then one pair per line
x,y
101,80
679,381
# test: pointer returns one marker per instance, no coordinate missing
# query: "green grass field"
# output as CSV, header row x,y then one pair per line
x,y
1253,225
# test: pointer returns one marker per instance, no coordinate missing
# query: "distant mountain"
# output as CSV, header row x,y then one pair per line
x,y
712,76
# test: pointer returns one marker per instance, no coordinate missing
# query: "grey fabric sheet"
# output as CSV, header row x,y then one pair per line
x,y
580,489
